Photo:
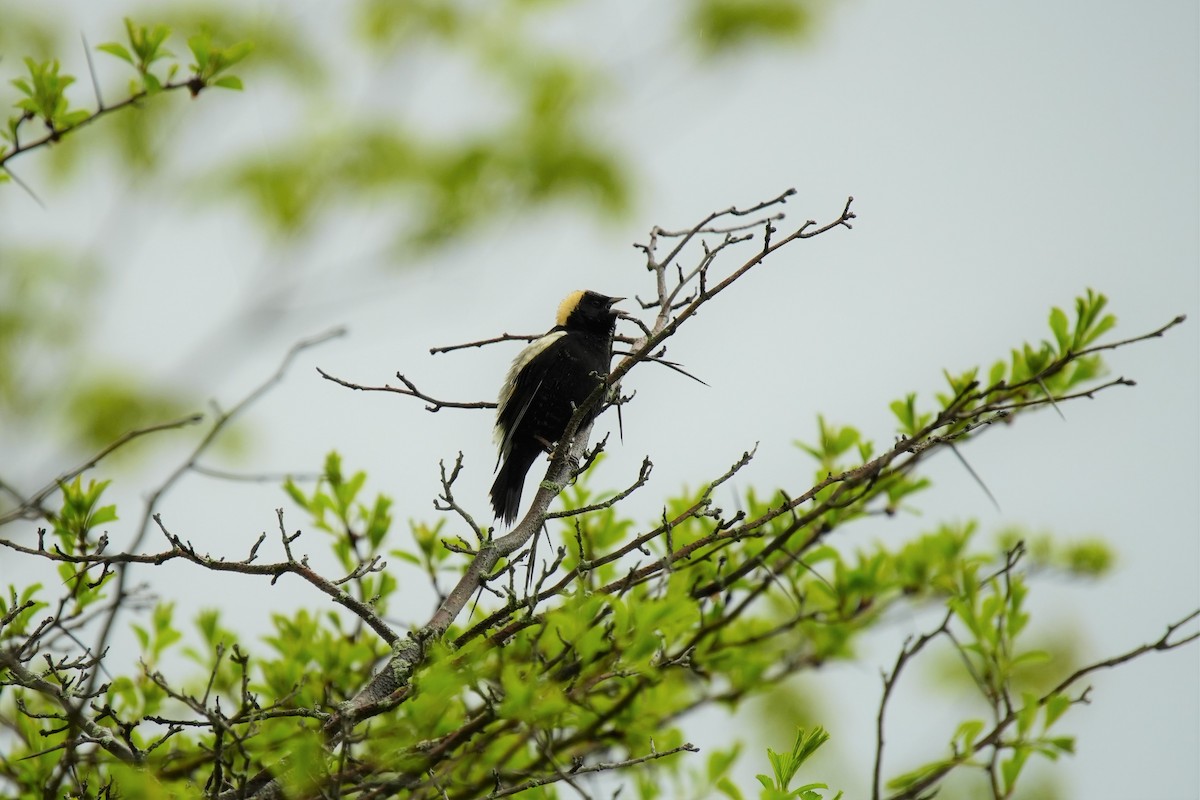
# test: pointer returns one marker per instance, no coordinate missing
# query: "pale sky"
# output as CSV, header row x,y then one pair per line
x,y
1003,157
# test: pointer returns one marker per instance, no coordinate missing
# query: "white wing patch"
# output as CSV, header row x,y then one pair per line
x,y
510,381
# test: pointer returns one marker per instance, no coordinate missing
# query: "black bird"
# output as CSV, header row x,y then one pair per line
x,y
548,380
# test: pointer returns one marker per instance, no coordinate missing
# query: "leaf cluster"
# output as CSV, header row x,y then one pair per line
x,y
44,97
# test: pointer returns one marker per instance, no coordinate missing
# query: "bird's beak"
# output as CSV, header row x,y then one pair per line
x,y
612,301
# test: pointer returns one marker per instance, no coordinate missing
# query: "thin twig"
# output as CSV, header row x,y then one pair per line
x,y
504,337
908,651
433,404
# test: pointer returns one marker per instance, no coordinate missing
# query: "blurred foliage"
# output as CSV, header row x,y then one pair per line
x,y
728,26
49,297
106,406
48,376
40,295
1089,557
28,31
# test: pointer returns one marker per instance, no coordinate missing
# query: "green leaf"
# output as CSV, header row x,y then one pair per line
x,y
200,45
1102,327
103,515
143,637
1091,558
723,25
44,94
115,49
967,733
1056,705
911,422
1089,325
1010,768
296,493
406,556
909,778
720,761
235,52
73,118
229,82
785,765
147,43
1060,327
727,788
1027,714
333,468
1064,743
1031,658
379,521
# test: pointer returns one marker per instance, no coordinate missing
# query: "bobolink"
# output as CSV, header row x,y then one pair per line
x,y
548,380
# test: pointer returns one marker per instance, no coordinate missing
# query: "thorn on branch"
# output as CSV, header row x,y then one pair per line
x,y
962,460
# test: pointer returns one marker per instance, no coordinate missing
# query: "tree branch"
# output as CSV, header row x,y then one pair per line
x,y
410,389
221,421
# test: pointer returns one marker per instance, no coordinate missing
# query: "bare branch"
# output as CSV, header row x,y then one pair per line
x,y
186,551
410,389
643,476
504,337
447,501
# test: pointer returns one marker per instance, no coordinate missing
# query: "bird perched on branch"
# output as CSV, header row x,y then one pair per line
x,y
547,382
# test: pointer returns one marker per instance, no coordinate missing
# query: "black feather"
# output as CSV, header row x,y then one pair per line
x,y
549,379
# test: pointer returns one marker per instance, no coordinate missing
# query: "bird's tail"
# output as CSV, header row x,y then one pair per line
x,y
506,491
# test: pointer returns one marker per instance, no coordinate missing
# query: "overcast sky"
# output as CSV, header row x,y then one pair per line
x,y
1003,156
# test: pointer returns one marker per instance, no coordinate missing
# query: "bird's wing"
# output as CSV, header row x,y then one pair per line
x,y
506,445
530,352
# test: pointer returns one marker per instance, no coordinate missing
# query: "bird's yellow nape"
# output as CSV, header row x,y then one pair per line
x,y
567,306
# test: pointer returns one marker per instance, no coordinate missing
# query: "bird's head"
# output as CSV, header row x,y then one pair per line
x,y
587,311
